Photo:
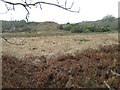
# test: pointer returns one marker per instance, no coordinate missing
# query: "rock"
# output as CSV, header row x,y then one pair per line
x,y
38,61
51,56
34,48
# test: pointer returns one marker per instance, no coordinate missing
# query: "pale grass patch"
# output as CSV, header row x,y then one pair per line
x,y
59,45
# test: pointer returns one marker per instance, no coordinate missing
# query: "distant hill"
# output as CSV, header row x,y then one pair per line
x,y
112,23
46,26
23,26
107,23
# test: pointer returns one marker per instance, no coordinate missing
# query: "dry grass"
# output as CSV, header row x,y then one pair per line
x,y
81,60
83,70
51,46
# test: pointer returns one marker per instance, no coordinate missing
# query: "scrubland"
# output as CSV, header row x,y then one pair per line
x,y
51,46
78,61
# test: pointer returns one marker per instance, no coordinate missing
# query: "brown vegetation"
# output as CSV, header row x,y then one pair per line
x,y
88,69
57,45
46,26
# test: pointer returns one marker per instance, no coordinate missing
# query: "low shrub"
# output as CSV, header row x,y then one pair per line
x,y
86,31
75,29
84,28
60,27
88,69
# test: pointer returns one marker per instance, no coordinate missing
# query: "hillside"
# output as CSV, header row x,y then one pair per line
x,y
23,26
46,26
112,23
107,23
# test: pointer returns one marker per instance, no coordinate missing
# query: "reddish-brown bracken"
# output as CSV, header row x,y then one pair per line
x,y
88,69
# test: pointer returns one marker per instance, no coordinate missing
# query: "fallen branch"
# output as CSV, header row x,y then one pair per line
x,y
114,73
11,42
105,82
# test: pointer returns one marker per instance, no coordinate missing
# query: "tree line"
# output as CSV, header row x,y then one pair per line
x,y
107,23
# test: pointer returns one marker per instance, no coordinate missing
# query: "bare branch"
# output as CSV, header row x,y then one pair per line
x,y
40,6
13,7
27,15
65,3
25,5
57,1
114,73
11,42
105,82
5,12
8,9
71,5
28,5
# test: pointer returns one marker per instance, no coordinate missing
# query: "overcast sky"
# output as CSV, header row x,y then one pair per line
x,y
90,10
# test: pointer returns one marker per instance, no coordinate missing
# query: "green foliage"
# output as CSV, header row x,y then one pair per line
x,y
14,26
68,23
79,28
91,28
86,31
27,29
108,18
119,24
32,23
84,40
68,27
104,29
75,29
107,21
60,27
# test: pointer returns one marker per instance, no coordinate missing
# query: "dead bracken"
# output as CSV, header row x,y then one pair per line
x,y
88,69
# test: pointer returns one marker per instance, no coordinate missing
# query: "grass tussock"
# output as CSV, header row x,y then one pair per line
x,y
88,69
